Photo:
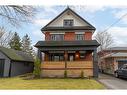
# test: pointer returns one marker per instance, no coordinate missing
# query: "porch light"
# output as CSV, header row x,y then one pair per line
x,y
77,55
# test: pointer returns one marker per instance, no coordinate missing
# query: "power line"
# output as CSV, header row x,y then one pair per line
x,y
115,22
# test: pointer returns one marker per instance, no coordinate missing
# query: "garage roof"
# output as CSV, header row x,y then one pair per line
x,y
117,48
119,54
16,55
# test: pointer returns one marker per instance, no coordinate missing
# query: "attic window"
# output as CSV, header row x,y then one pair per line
x,y
68,22
68,13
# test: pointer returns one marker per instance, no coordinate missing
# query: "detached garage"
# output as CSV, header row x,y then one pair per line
x,y
121,62
13,62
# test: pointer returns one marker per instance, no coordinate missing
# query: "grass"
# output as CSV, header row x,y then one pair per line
x,y
19,83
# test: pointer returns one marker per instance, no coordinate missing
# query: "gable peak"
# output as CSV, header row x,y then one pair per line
x,y
68,13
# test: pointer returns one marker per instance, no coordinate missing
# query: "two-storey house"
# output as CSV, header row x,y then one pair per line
x,y
68,46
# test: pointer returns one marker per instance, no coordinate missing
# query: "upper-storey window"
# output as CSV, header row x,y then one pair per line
x,y
79,37
57,37
68,22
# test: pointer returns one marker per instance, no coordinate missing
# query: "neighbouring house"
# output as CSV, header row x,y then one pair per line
x,y
112,58
13,62
68,47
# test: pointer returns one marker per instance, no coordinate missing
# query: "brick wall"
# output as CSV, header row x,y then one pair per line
x,y
47,36
88,56
88,35
69,36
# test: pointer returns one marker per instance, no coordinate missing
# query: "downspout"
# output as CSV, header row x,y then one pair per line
x,y
39,55
95,64
10,68
65,60
65,72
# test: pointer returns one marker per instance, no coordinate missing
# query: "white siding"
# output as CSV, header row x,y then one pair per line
x,y
59,21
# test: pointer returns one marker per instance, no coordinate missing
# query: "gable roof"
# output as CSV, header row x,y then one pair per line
x,y
16,55
45,28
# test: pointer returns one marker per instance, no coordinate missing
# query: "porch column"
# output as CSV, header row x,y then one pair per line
x,y
65,57
46,56
95,64
39,55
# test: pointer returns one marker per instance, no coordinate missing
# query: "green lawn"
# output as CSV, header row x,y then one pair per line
x,y
19,83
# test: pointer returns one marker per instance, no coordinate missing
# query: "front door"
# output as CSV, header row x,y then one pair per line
x,y
2,61
71,57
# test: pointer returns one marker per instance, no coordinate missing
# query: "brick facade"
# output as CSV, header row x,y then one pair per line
x,y
88,35
47,36
70,36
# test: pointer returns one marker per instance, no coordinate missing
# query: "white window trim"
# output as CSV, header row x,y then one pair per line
x,y
57,33
79,32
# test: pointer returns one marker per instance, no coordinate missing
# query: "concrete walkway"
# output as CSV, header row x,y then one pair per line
x,y
112,83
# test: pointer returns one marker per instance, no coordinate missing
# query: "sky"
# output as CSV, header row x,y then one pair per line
x,y
101,17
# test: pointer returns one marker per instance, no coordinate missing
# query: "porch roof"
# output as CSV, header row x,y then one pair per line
x,y
66,43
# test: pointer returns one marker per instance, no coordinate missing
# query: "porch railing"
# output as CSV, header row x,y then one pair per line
x,y
70,64
74,69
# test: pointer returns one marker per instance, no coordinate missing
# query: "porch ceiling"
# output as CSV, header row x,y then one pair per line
x,y
66,48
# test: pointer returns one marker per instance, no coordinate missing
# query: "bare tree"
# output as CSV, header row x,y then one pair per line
x,y
16,15
2,31
5,37
104,39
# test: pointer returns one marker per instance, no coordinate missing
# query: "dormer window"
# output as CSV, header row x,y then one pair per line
x,y
68,22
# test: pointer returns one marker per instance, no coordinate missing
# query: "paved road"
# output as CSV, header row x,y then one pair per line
x,y
112,82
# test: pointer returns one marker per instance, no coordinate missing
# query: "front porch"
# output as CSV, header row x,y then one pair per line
x,y
77,59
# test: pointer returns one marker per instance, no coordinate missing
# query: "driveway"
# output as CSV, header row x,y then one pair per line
x,y
112,83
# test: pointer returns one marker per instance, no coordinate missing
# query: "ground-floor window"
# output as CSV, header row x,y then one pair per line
x,y
71,56
82,56
56,57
